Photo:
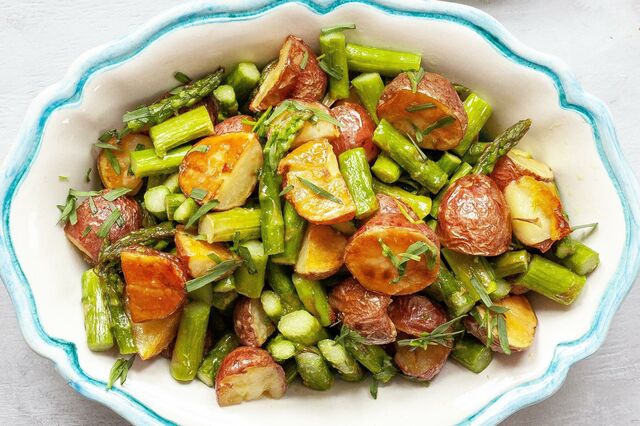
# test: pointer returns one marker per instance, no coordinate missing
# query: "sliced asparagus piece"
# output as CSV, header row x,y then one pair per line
x,y
314,298
357,174
181,129
249,277
223,226
385,62
386,169
97,321
313,369
341,360
472,354
478,113
187,352
554,281
211,363
369,87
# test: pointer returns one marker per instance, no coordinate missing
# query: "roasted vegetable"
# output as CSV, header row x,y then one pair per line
x,y
357,175
301,327
472,354
313,369
314,298
320,127
576,256
235,124
356,129
415,314
199,256
422,364
152,337
189,348
114,164
552,280
210,365
97,321
519,163
250,322
181,129
322,252
341,360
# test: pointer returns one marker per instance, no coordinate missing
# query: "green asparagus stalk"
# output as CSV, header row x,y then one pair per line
x,y
333,47
355,170
576,256
171,204
373,358
341,360
345,228
455,295
385,62
386,169
406,154
113,287
185,210
208,370
224,301
158,112
313,369
243,78
432,223
290,371
272,305
294,227
224,285
463,170
203,294
463,91
281,349
223,226
146,163
369,87
478,113
155,201
552,280
511,263
280,282
314,298
420,204
301,327
172,182
249,277
156,180
187,352
449,163
472,354
227,102
467,268
111,252
474,152
97,321
503,288
500,146
181,129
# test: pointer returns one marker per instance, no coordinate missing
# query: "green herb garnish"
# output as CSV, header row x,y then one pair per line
x,y
68,210
591,226
182,77
108,223
199,148
244,254
86,231
204,209
120,370
420,107
319,191
333,70
116,193
415,77
304,60
414,252
107,135
198,194
441,335
444,121
87,176
286,190
63,178
115,164
216,273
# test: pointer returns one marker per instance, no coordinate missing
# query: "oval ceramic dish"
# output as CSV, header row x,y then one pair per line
x,y
572,132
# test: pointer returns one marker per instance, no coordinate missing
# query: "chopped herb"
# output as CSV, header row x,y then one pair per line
x,y
86,231
420,107
373,388
120,370
108,223
321,192
502,335
107,135
304,60
441,335
68,211
591,226
491,322
333,70
414,251
213,256
140,147
77,193
114,194
244,254
204,209
63,178
248,122
182,77
286,190
106,146
406,214
258,128
87,176
291,104
321,57
219,271
115,164
198,194
122,133
340,27
444,121
199,148
348,334
415,77
482,292
143,114
92,206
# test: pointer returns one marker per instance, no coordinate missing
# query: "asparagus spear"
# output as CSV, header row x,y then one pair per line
x,y
281,349
577,256
243,78
552,280
500,146
224,301
185,210
385,62
227,102
163,109
474,152
372,357
472,354
224,285
301,327
294,227
386,169
355,170
341,360
223,226
454,294
112,287
420,204
468,268
290,371
313,369
155,201
333,47
146,163
172,182
449,163
210,365
171,204
97,322
314,298
369,87
478,112
511,263
249,277
110,253
280,282
187,352
272,305
181,129
463,170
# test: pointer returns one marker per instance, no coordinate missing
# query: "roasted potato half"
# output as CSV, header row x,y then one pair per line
x,y
433,109
421,364
308,168
394,227
233,124
473,217
415,314
199,256
519,163
363,311
155,283
322,252
249,373
251,323
356,130
120,176
223,167
152,337
83,234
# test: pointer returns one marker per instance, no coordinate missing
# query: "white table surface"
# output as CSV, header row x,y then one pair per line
x,y
599,39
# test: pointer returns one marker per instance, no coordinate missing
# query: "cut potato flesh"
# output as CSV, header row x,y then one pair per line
x,y
519,163
315,162
322,252
152,337
421,364
121,178
155,283
199,256
251,323
225,168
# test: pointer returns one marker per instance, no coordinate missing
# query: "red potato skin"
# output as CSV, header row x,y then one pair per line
x,y
363,311
505,171
356,131
244,323
233,125
421,364
433,88
91,244
474,217
390,218
415,314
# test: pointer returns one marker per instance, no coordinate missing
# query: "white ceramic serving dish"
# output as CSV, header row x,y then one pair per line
x,y
572,132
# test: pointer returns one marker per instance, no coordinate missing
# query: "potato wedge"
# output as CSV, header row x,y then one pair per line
x,y
520,319
290,77
152,337
226,170
363,311
356,131
199,256
397,227
322,252
122,177
315,162
433,100
251,323
247,374
84,233
421,364
233,125
473,217
519,163
536,212
155,283
415,314
312,130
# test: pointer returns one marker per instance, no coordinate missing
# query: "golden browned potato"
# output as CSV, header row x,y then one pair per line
x,y
251,323
395,226
474,218
226,169
83,234
198,255
536,212
121,177
356,131
434,109
249,373
312,130
421,364
519,163
152,337
363,311
234,124
520,319
315,163
322,252
290,77
415,314
155,283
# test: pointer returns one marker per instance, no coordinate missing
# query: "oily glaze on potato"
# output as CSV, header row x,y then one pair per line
x,y
251,323
152,337
520,319
84,233
233,124
356,131
312,130
474,218
536,212
316,163
366,261
415,314
363,311
199,256
322,252
249,373
516,164
227,170
155,283
432,89
122,178
290,78
421,364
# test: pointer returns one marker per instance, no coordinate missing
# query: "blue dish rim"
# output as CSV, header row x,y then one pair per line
x,y
69,92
